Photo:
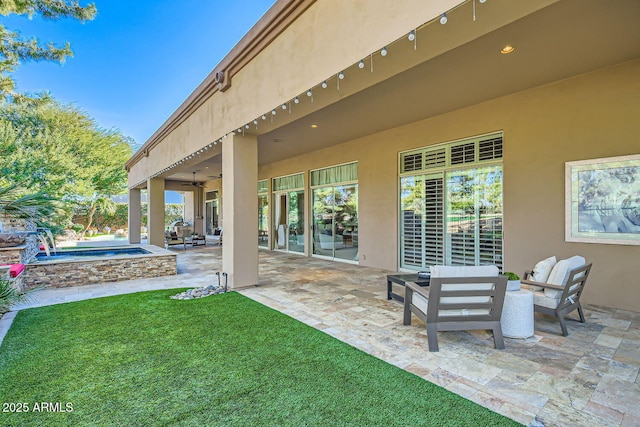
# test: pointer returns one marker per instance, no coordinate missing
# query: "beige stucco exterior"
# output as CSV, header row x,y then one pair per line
x,y
565,109
537,142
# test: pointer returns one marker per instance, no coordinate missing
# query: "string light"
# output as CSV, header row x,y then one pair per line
x,y
411,36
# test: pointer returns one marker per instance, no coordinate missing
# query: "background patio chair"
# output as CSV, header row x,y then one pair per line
x,y
458,298
217,236
560,295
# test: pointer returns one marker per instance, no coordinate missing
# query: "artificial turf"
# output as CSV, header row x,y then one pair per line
x,y
144,359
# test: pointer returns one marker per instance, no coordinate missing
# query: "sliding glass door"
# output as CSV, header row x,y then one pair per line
x,y
289,221
335,222
335,212
211,212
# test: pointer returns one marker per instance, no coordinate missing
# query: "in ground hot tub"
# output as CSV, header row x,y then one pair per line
x,y
79,267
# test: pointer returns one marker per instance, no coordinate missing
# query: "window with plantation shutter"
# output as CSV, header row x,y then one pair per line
x,y
434,221
464,153
412,162
435,158
489,149
453,214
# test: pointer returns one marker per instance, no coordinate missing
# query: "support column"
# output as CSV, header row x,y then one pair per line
x,y
155,211
240,210
135,220
193,210
189,211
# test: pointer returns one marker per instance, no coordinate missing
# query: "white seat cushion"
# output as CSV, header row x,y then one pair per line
x,y
420,302
539,298
560,273
464,271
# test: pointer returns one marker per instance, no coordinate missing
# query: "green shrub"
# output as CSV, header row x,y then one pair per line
x,y
512,276
77,227
9,296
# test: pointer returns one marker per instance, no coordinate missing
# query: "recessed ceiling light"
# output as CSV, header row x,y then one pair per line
x,y
507,49
314,126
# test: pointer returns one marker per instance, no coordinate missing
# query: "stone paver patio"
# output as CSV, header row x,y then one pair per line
x,y
589,378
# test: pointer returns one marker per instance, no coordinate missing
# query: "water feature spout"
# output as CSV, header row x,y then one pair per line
x,y
45,236
53,242
45,244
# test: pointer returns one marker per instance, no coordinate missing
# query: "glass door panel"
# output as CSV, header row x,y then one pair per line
x,y
211,216
346,222
280,222
335,222
263,221
289,221
323,221
296,221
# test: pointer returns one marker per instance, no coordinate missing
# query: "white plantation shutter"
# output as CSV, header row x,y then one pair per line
x,y
452,216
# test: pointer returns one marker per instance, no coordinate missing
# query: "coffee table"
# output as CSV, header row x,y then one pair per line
x,y
196,240
402,279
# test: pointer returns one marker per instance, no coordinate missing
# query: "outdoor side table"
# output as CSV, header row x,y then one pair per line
x,y
402,279
517,314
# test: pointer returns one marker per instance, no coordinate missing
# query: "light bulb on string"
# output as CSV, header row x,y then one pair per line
x,y
324,84
296,100
383,52
361,64
443,19
413,37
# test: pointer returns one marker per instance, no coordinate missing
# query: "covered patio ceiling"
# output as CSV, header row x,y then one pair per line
x,y
564,39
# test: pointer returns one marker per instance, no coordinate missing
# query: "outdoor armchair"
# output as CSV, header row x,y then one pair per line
x,y
560,295
458,298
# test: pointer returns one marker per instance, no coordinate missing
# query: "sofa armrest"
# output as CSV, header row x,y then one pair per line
x,y
542,285
424,291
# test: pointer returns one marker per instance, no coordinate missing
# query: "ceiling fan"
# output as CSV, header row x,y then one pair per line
x,y
194,183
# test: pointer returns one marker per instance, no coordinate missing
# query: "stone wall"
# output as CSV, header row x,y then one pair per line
x,y
12,255
91,271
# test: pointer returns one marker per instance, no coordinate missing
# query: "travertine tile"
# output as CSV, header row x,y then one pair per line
x,y
604,412
618,394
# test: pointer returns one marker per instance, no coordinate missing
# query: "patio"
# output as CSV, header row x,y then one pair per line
x,y
590,377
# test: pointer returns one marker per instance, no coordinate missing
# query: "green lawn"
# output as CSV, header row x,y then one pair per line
x,y
144,359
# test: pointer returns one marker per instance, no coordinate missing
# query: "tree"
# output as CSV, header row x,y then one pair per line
x,y
14,49
59,150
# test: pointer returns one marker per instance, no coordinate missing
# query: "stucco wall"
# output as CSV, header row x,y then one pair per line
x,y
590,116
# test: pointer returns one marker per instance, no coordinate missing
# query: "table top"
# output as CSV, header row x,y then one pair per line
x,y
408,277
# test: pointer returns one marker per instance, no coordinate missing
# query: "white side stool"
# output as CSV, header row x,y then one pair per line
x,y
517,314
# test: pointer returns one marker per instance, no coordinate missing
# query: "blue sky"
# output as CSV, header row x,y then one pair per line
x,y
137,61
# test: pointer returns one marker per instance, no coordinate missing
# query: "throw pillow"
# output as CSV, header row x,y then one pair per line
x,y
560,272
